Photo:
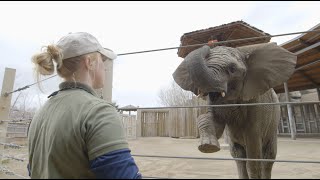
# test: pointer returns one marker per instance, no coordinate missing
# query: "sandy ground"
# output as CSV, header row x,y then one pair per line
x,y
301,149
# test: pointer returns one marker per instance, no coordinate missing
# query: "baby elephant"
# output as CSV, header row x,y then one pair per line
x,y
247,74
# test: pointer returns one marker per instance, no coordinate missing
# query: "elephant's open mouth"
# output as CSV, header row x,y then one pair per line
x,y
215,96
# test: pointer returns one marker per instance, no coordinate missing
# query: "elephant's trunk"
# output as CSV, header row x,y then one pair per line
x,y
210,131
206,79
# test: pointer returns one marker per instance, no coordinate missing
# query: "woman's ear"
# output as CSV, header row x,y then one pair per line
x,y
89,63
268,65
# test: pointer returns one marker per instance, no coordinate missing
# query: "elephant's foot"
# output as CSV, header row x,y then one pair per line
x,y
209,144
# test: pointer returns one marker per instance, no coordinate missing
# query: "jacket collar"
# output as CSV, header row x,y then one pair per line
x,y
76,85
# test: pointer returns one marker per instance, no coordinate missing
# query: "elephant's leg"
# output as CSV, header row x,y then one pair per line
x,y
269,152
254,151
237,151
210,132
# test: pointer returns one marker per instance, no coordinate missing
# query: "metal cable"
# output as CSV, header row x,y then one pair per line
x,y
223,105
230,159
11,145
15,122
27,86
11,173
12,157
150,177
220,42
163,49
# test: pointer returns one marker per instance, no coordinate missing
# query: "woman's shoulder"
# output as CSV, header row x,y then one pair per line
x,y
83,98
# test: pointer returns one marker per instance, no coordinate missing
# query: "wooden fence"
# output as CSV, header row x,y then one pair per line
x,y
17,130
129,124
180,122
307,119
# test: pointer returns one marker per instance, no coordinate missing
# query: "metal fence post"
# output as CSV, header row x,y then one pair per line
x,y
290,114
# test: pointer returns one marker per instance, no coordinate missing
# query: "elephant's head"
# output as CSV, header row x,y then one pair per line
x,y
235,73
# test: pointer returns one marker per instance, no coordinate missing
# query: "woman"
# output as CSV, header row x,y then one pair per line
x,y
76,134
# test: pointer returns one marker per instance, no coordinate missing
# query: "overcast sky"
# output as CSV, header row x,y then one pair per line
x,y
134,26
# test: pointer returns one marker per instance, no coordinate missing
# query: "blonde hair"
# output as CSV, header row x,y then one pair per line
x,y
44,62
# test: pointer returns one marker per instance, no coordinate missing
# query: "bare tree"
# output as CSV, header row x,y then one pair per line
x,y
23,107
174,95
13,106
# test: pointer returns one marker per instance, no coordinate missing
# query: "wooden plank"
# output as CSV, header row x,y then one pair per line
x,y
153,124
311,65
181,122
195,116
139,124
143,125
160,128
162,121
302,79
149,124
294,44
305,50
308,58
189,122
167,124
172,121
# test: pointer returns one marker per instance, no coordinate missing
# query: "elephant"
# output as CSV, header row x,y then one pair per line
x,y
241,75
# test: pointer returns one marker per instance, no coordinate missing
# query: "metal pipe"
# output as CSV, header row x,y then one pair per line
x,y
290,114
229,159
225,105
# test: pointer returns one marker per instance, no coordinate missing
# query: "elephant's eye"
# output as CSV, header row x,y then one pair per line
x,y
232,68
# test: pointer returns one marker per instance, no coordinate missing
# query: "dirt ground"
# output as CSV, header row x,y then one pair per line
x,y
301,149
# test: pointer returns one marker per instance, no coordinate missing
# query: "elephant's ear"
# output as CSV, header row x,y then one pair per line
x,y
183,79
269,65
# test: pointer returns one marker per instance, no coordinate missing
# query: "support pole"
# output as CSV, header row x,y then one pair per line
x,y
107,89
318,91
5,104
290,114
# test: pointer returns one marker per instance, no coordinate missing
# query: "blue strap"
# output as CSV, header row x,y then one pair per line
x,y
117,164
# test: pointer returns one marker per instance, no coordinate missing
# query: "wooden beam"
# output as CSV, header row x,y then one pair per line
x,y
301,36
306,65
296,39
314,46
5,104
194,40
309,78
308,44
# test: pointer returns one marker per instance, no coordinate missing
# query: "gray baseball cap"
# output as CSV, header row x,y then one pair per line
x,y
80,43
